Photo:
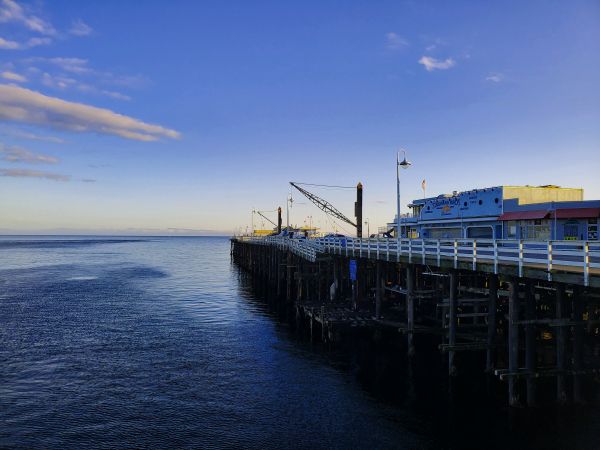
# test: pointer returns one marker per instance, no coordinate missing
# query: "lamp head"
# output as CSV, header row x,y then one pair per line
x,y
405,164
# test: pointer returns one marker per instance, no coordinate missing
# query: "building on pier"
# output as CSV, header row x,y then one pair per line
x,y
504,212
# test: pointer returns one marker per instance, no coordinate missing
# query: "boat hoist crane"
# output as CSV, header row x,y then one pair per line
x,y
278,224
328,208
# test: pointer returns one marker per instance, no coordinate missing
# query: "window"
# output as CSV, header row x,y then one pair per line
x,y
571,231
511,229
480,202
536,230
486,232
443,233
496,200
592,230
417,210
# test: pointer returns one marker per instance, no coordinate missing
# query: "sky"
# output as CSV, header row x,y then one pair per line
x,y
181,117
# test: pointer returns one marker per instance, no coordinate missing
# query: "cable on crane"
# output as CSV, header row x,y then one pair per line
x,y
332,186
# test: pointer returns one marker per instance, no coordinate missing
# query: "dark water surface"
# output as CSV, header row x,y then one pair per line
x,y
162,342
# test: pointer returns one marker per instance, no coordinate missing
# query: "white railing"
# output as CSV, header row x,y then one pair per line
x,y
305,248
552,256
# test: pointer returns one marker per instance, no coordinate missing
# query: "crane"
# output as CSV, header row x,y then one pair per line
x,y
260,213
277,225
328,208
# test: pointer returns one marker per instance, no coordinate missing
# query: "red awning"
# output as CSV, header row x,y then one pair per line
x,y
524,215
577,213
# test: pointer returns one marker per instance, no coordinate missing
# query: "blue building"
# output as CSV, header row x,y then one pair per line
x,y
504,212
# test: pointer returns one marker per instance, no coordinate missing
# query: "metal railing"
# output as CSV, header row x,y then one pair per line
x,y
552,256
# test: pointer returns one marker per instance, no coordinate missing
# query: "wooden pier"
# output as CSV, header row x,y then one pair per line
x,y
531,309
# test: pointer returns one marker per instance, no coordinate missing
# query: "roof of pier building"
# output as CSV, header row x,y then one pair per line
x,y
489,202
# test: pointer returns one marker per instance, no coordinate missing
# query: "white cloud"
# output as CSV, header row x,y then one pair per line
x,y
12,76
80,66
395,41
431,64
58,82
27,173
116,95
11,11
32,42
63,83
9,45
73,65
9,131
495,77
21,155
80,28
26,106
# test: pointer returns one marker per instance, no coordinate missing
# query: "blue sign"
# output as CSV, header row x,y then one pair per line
x,y
353,269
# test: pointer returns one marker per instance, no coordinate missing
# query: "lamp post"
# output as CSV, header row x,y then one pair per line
x,y
368,227
288,204
404,164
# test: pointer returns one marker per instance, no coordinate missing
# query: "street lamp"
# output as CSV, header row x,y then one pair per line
x,y
404,164
368,227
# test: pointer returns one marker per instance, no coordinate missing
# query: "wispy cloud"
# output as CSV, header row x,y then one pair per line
x,y
80,28
9,131
430,63
26,106
495,77
76,73
27,173
6,44
73,65
116,95
12,76
63,82
20,155
395,41
11,11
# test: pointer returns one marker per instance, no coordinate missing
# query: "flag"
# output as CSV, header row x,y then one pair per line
x,y
423,184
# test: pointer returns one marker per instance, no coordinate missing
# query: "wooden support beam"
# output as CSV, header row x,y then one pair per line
x,y
530,342
561,344
578,334
379,283
452,321
513,340
492,323
410,307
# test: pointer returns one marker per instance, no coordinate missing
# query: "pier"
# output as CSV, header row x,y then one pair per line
x,y
529,310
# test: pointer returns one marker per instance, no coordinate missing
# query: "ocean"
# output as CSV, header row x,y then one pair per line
x,y
157,342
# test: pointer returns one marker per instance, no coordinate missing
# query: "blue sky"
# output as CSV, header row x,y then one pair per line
x,y
180,117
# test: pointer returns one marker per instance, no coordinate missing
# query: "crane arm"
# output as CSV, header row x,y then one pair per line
x,y
323,204
265,217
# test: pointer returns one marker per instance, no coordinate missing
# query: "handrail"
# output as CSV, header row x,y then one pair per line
x,y
569,256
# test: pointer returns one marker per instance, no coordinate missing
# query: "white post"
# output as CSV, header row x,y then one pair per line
x,y
520,257
549,260
398,195
474,254
586,263
455,254
495,256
